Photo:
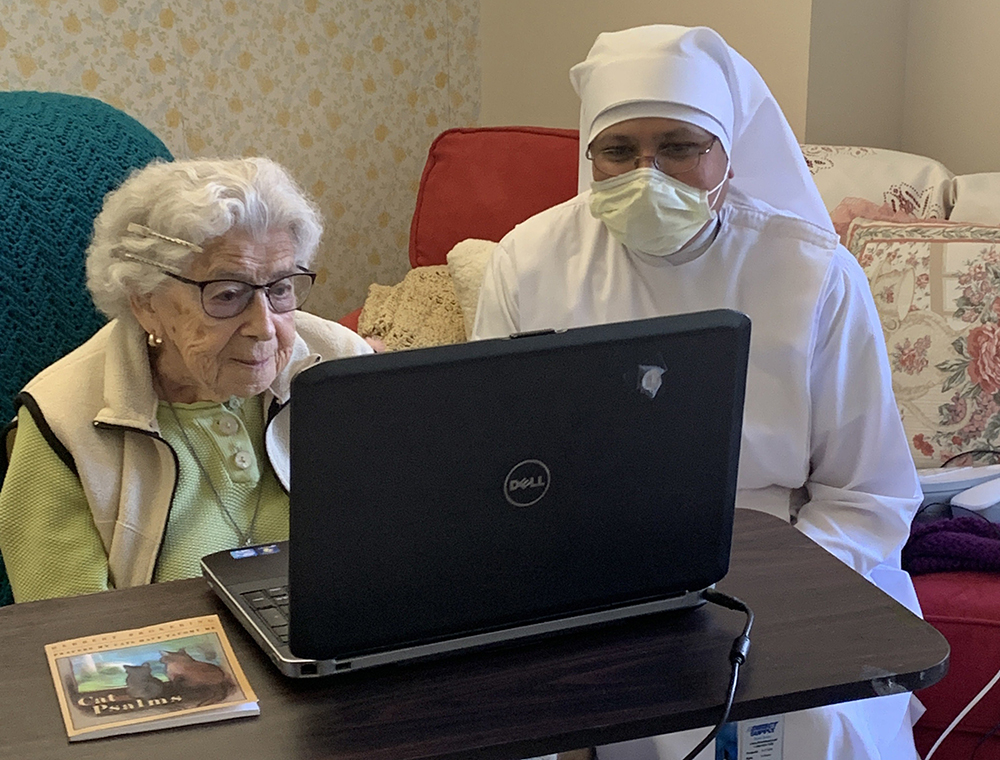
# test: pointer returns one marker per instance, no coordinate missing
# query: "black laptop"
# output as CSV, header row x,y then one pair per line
x,y
458,496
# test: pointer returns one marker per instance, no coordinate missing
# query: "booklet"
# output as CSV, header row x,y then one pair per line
x,y
172,674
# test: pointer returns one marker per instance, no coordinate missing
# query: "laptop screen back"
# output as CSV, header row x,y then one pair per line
x,y
461,489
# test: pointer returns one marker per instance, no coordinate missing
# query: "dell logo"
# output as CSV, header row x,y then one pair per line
x,y
526,483
536,482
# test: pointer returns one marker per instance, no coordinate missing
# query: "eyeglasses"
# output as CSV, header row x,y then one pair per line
x,y
223,299
670,158
228,298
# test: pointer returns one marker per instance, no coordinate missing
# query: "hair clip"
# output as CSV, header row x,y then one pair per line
x,y
139,229
119,254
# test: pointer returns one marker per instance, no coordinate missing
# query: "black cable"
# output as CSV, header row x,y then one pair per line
x,y
737,656
970,453
951,511
982,740
932,504
994,527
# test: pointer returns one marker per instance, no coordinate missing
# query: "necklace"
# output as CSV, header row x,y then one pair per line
x,y
245,538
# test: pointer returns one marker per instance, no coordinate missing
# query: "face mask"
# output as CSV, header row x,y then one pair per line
x,y
648,211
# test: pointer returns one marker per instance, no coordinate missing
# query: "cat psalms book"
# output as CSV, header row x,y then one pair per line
x,y
144,679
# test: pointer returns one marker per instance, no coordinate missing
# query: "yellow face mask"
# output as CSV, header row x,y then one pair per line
x,y
651,212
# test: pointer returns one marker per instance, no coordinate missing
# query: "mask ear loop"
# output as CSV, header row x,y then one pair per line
x,y
718,188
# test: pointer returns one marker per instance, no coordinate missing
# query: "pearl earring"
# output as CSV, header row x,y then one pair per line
x,y
153,341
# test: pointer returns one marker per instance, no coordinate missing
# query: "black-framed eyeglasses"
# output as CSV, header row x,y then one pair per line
x,y
228,298
670,158
223,299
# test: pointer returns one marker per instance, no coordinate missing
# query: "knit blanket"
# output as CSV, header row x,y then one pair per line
x,y
957,543
59,156
420,311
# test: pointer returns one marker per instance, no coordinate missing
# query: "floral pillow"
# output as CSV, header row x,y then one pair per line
x,y
936,286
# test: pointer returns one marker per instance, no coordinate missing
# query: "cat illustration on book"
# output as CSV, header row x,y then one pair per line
x,y
196,680
98,689
140,683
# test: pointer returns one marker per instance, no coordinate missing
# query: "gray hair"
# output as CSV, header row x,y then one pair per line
x,y
173,207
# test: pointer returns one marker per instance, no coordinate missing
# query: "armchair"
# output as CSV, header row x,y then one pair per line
x,y
59,156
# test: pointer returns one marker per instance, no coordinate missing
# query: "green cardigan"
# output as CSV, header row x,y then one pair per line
x,y
48,531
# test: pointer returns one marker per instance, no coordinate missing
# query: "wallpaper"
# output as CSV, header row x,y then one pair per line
x,y
347,94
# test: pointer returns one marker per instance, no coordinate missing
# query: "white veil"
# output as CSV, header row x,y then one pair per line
x,y
692,74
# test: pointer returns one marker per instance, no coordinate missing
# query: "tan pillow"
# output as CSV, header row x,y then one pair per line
x,y
936,286
876,183
466,264
420,311
977,199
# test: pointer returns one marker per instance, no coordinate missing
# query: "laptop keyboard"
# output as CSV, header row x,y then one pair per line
x,y
271,605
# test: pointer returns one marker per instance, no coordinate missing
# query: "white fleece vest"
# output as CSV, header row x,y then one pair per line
x,y
97,408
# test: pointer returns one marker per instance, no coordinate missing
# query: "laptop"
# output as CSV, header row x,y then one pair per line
x,y
459,496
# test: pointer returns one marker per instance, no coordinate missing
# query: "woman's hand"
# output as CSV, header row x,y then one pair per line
x,y
376,343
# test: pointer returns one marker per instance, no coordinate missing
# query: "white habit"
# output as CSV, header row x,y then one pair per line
x,y
823,444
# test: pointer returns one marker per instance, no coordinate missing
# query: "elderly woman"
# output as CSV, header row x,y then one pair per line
x,y
694,195
165,436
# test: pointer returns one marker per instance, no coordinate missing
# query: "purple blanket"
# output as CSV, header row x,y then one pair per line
x,y
957,543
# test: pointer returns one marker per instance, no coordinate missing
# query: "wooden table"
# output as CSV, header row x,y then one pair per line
x,y
822,635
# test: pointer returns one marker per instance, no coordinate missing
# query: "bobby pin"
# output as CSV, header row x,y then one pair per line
x,y
143,260
139,229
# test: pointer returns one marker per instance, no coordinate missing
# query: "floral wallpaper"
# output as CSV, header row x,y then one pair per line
x,y
347,94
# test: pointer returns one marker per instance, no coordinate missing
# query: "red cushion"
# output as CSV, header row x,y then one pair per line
x,y
480,182
965,607
351,320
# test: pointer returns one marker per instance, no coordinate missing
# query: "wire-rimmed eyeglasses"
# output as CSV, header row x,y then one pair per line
x,y
223,299
670,158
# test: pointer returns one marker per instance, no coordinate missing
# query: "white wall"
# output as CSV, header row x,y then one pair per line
x,y
857,72
528,47
921,76
952,95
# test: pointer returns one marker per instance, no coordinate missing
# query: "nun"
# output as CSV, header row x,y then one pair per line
x,y
694,195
